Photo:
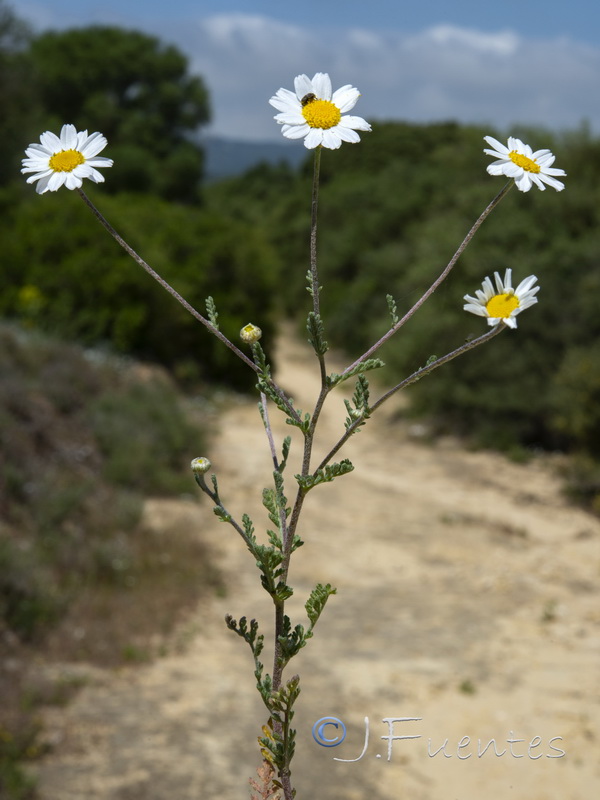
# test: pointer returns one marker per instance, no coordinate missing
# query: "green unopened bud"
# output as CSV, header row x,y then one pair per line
x,y
200,466
250,333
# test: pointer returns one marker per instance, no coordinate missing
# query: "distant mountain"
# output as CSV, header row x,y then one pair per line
x,y
227,157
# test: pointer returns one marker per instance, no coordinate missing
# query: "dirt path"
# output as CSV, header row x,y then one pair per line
x,y
468,597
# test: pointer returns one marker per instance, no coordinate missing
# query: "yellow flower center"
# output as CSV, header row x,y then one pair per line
x,y
66,160
501,306
321,114
522,161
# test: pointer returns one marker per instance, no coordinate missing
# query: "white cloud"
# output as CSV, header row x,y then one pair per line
x,y
444,72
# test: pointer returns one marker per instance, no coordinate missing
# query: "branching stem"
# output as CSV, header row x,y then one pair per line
x,y
442,277
416,376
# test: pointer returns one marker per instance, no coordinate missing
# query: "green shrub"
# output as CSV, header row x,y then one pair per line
x,y
392,212
83,439
64,274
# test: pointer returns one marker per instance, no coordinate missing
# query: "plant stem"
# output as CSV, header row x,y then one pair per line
x,y
137,258
416,376
487,211
168,288
314,207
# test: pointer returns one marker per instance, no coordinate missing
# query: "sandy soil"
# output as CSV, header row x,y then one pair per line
x,y
468,598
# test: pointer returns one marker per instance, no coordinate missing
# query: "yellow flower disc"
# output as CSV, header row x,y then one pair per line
x,y
522,161
66,160
501,306
321,114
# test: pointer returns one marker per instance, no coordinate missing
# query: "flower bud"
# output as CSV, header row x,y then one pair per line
x,y
200,465
250,333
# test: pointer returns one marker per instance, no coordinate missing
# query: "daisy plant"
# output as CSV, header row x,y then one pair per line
x,y
315,113
518,161
65,160
503,303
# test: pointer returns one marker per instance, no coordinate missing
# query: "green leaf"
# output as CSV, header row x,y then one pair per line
x,y
211,311
361,410
316,602
285,450
316,333
364,366
392,308
325,475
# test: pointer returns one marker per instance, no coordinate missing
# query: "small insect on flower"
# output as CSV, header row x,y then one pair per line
x,y
503,303
317,114
65,160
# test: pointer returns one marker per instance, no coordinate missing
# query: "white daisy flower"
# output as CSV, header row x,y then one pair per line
x,y
65,160
518,161
503,303
314,113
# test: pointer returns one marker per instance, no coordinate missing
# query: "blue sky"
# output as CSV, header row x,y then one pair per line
x,y
500,63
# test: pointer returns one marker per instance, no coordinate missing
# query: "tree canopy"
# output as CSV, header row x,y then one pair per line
x,y
137,92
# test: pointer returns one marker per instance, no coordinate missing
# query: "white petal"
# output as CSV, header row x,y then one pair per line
x,y
303,85
51,142
322,85
358,123
525,181
100,161
475,308
331,138
345,98
488,288
496,154
525,285
285,102
93,145
512,170
72,181
553,171
56,180
347,134
42,186
295,131
497,168
516,144
38,151
68,137
501,149
289,118
313,138
553,182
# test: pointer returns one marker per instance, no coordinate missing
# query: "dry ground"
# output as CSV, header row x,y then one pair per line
x,y
468,598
